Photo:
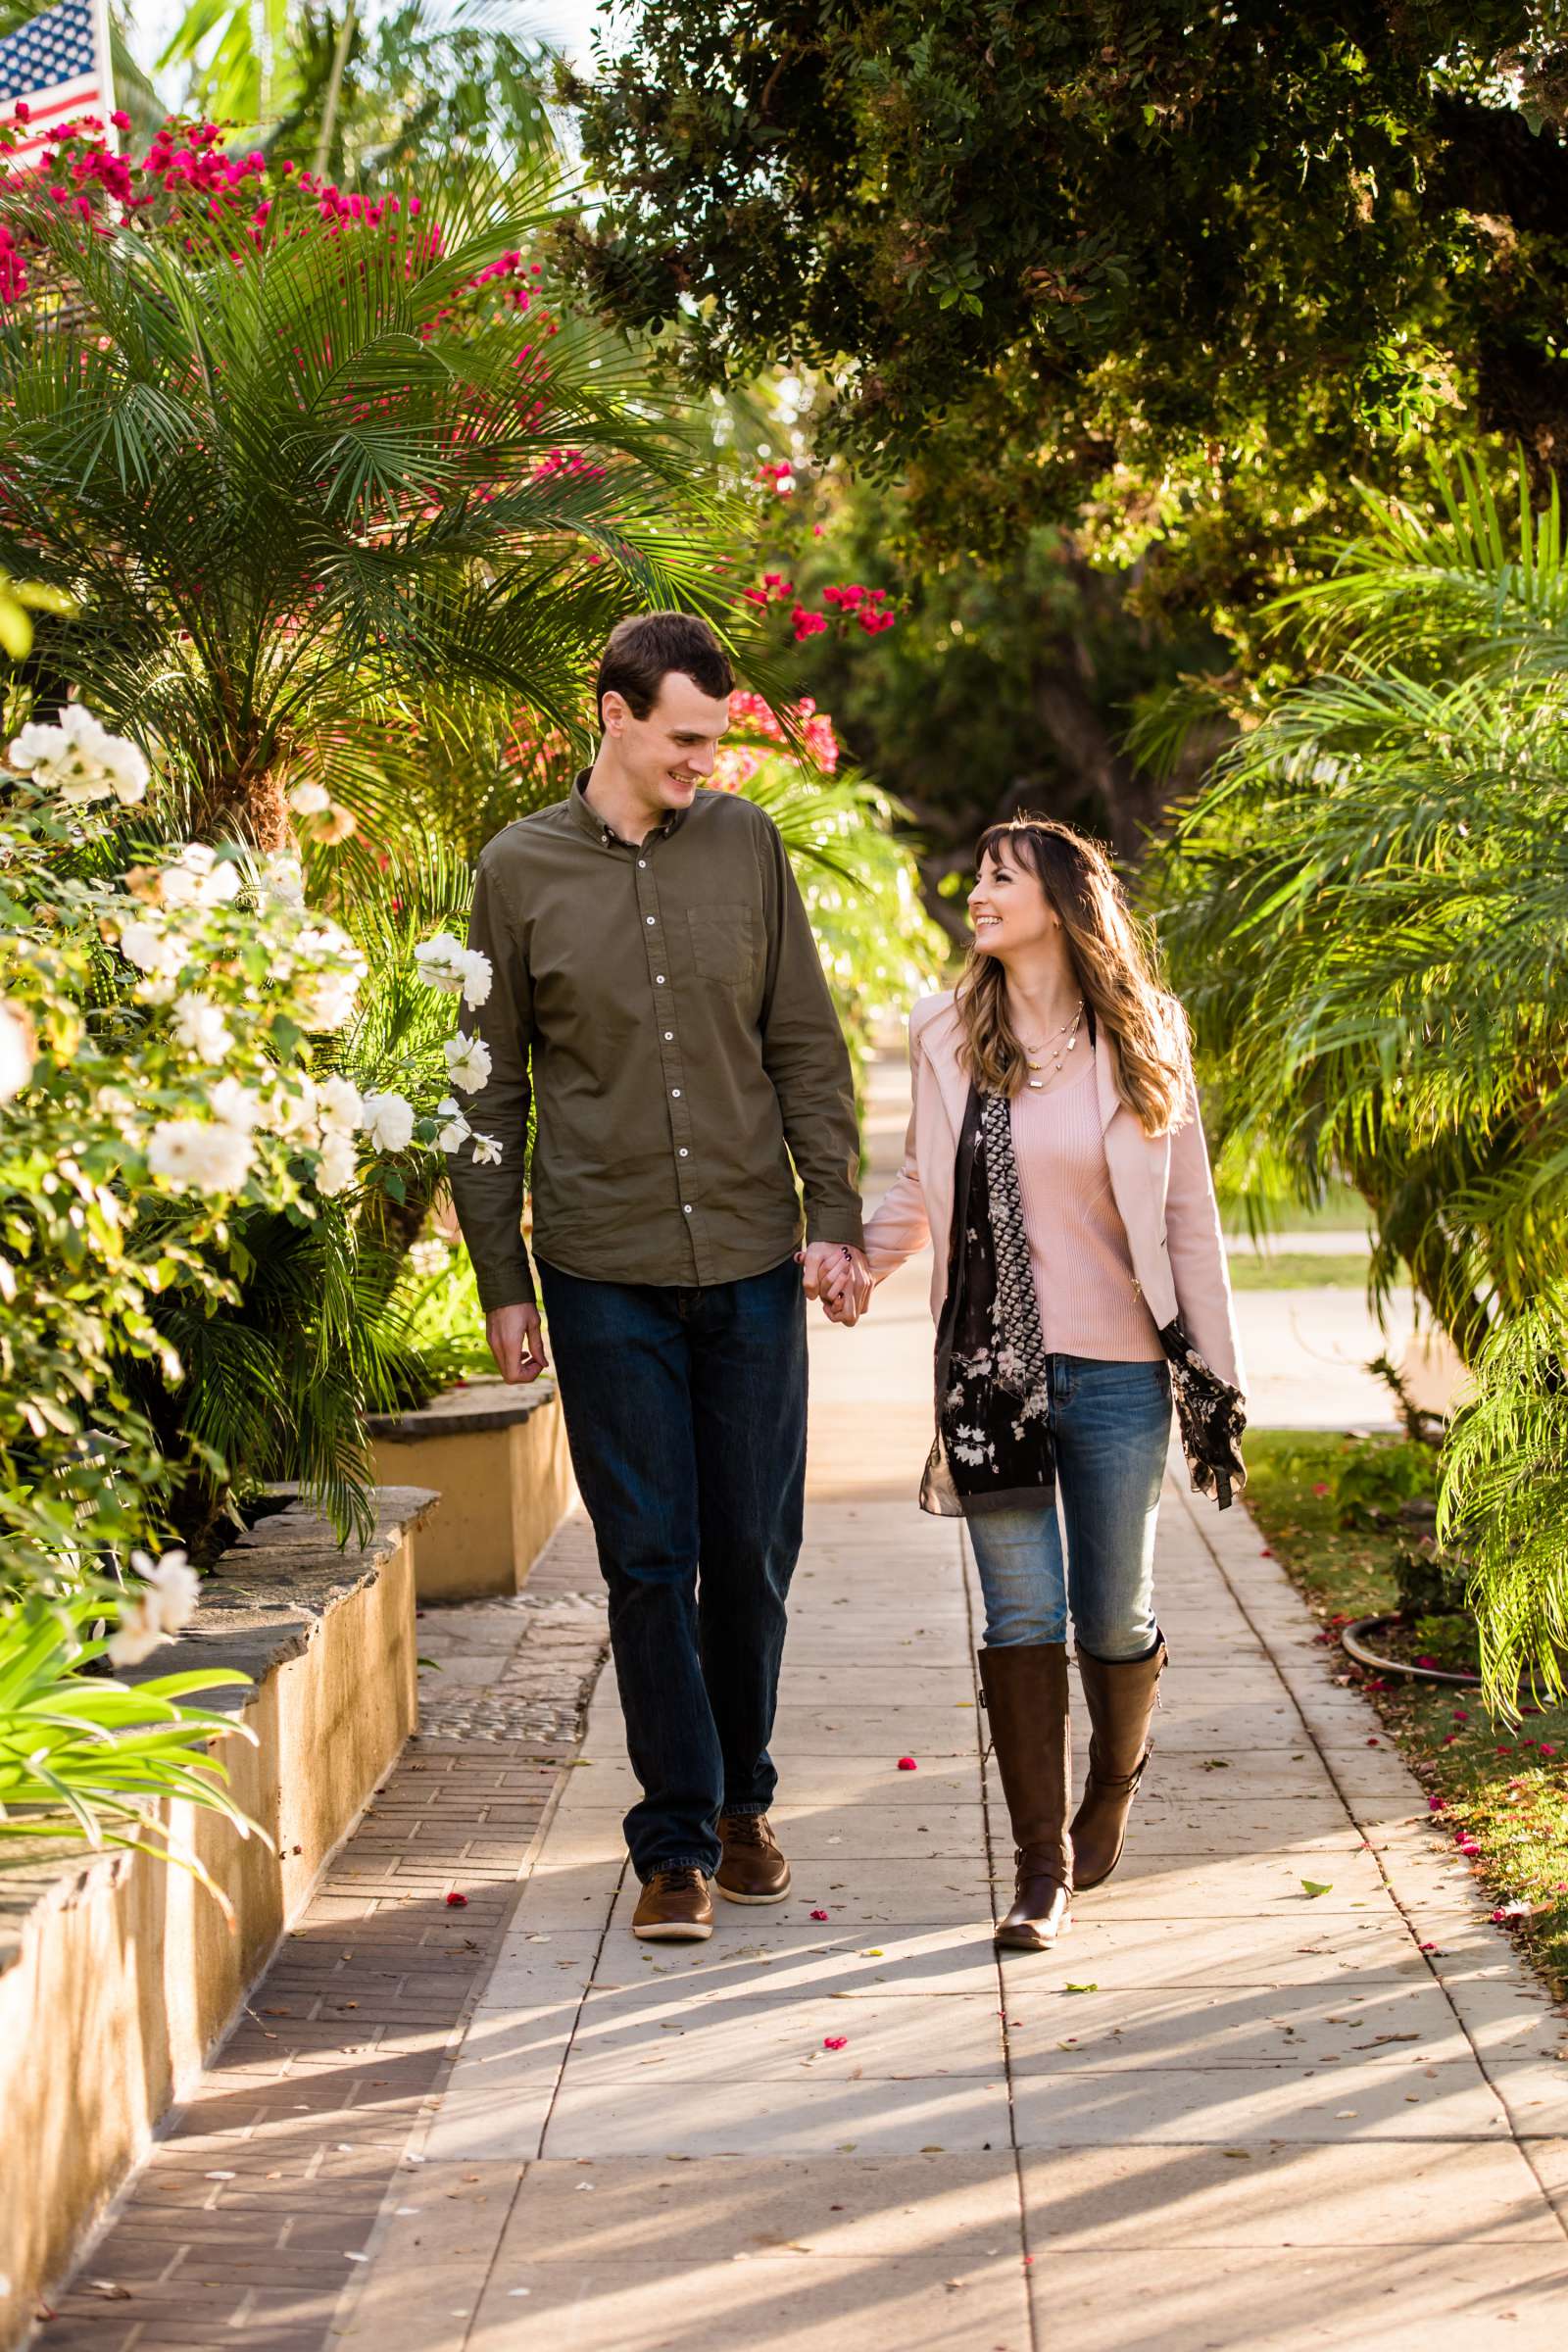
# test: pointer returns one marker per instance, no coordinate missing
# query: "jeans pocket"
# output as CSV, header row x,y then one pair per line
x,y
723,943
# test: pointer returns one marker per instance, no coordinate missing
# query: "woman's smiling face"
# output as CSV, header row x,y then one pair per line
x,y
1008,907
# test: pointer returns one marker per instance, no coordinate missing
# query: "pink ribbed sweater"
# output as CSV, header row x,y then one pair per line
x,y
1090,1303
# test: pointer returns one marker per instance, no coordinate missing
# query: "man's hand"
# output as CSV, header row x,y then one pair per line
x,y
839,1276
516,1341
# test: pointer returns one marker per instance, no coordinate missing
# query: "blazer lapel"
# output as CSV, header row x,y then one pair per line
x,y
1136,1165
940,1037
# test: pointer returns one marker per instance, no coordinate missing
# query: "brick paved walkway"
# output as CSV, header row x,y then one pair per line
x,y
256,2207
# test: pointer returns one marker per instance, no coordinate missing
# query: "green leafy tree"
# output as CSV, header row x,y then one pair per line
x,y
1169,276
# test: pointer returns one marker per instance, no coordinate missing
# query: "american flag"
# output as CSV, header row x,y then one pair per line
x,y
58,67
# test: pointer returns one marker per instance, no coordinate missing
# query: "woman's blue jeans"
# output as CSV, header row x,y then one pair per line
x,y
1111,1423
685,1412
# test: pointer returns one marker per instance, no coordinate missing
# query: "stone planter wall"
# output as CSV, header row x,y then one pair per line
x,y
497,1456
117,1974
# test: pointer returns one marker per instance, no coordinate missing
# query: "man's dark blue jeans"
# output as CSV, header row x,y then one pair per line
x,y
685,1412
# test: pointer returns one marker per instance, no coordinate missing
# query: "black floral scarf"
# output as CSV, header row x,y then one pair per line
x,y
994,1448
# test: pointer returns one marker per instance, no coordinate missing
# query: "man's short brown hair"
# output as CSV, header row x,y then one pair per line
x,y
643,651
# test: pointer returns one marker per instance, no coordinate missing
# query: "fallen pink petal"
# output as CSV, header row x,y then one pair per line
x,y
907,1764
834,2041
820,1915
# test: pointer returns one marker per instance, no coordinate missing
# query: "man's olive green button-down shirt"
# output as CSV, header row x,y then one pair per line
x,y
666,1005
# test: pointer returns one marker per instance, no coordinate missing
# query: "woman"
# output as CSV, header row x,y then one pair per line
x,y
1055,1156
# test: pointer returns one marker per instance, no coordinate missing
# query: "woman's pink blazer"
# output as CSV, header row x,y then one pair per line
x,y
1161,1183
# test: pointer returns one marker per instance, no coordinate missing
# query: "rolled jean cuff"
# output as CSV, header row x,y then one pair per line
x,y
1141,1659
700,1862
751,1806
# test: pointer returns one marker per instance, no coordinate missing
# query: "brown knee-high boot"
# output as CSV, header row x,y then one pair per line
x,y
1027,1702
1121,1701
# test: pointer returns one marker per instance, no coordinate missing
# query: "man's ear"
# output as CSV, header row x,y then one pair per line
x,y
614,712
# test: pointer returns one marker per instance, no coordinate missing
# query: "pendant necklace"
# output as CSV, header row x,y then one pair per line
x,y
1055,1049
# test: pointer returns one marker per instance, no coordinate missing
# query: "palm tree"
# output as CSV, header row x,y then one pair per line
x,y
304,478
1365,912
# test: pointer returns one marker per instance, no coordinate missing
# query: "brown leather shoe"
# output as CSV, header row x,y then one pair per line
x,y
1121,1703
752,1870
1025,1691
674,1907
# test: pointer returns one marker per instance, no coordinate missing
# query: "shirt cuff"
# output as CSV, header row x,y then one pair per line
x,y
509,1286
841,1222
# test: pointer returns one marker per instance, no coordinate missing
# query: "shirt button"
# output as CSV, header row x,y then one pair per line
x,y
685,1154
659,978
649,922
686,1207
642,861
675,1092
670,1037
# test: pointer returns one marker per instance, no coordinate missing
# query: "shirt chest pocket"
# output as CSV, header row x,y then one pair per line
x,y
723,943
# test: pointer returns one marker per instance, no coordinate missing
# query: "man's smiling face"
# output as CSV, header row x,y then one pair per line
x,y
668,754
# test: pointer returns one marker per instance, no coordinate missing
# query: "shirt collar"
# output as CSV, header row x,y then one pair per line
x,y
587,821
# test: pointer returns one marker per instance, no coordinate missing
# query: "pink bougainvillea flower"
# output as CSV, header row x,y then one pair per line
x,y
1450,1738
1321,1488
1545,1748
1436,1804
907,1764
1266,1554
1428,1947
834,2041
820,1915
456,1902
1462,1714
1426,1661
1374,1743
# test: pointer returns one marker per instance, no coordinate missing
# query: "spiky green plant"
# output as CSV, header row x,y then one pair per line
x,y
85,1757
1364,914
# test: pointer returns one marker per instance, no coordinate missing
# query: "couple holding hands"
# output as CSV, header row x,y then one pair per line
x,y
658,998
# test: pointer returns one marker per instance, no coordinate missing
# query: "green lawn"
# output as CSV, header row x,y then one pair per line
x,y
1296,1270
1493,1781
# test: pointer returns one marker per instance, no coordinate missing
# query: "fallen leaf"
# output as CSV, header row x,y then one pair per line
x,y
1080,1989
1318,1885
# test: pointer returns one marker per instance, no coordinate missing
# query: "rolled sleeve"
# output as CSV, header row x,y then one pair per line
x,y
809,1062
489,1199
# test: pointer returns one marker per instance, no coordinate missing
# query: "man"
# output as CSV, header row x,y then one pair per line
x,y
658,988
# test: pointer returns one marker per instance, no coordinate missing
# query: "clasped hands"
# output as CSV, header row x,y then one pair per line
x,y
837,1275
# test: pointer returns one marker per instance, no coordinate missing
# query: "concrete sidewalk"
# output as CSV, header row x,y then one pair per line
x,y
1225,2113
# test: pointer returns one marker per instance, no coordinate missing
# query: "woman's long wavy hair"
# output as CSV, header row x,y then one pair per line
x,y
1114,967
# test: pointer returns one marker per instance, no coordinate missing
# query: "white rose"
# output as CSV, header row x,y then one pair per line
x,y
19,1045
486,1152
201,1155
80,760
236,1104
388,1121
283,880
477,975
181,884
439,962
165,1605
467,1060
334,1170
310,800
292,1112
339,1106
201,1028
455,1130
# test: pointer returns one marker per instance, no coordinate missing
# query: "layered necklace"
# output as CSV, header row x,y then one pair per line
x,y
1054,1050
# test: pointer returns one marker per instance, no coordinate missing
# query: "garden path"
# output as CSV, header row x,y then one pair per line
x,y
1226,2113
